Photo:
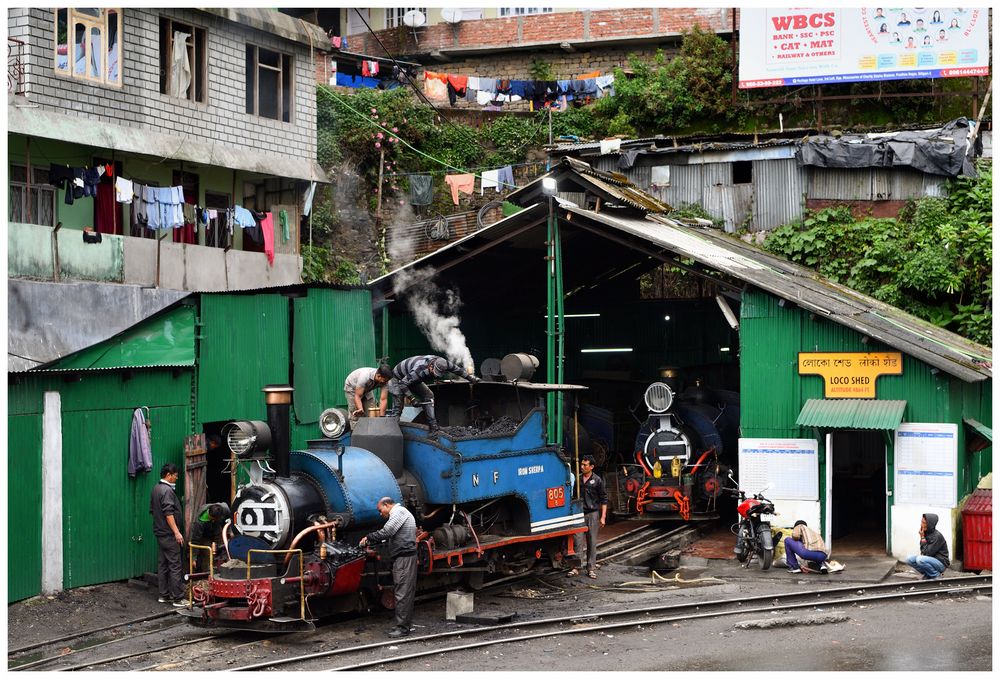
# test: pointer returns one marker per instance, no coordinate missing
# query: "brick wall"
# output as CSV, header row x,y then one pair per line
x,y
542,28
138,102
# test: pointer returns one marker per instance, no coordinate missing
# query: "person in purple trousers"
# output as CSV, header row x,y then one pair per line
x,y
805,543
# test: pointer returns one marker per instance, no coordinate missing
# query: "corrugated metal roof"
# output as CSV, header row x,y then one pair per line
x,y
851,413
165,340
889,325
942,349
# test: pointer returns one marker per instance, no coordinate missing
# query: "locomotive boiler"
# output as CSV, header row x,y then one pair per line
x,y
679,453
488,493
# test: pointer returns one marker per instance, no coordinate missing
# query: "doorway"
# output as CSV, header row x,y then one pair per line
x,y
858,502
218,472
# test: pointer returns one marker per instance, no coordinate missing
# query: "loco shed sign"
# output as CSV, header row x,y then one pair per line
x,y
786,47
850,375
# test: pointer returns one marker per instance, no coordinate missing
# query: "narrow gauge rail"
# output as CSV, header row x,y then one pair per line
x,y
642,616
642,535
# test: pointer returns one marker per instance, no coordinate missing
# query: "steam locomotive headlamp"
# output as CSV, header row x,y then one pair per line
x,y
333,422
659,397
248,438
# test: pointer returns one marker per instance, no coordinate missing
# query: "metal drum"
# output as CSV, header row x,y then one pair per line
x,y
518,366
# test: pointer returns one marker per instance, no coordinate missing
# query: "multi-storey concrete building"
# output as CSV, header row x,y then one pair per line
x,y
220,102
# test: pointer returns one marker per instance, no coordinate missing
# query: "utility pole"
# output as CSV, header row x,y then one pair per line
x,y
378,209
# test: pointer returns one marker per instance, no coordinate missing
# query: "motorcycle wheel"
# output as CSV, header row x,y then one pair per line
x,y
766,556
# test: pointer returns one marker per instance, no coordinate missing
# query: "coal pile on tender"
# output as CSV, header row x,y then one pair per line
x,y
502,426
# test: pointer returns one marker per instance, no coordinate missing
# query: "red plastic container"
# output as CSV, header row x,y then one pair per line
x,y
977,530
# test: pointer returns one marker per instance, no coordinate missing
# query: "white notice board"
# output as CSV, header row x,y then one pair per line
x,y
926,464
791,466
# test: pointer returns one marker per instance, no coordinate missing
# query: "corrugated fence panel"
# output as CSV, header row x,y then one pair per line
x,y
840,184
779,187
24,499
244,347
933,185
685,185
907,184
104,511
333,335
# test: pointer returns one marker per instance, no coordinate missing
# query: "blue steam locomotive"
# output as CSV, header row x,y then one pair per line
x,y
489,496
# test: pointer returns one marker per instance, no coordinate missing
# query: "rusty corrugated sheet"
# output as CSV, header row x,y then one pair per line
x,y
778,193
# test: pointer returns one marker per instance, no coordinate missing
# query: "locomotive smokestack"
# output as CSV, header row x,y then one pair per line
x,y
278,398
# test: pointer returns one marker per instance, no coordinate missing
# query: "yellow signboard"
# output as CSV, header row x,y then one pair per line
x,y
850,375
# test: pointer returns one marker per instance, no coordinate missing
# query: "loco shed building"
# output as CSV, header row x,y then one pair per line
x,y
864,467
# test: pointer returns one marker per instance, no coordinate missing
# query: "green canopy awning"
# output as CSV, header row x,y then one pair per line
x,y
165,340
980,428
851,413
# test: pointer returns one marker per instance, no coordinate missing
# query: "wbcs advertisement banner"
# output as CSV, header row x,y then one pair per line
x,y
816,46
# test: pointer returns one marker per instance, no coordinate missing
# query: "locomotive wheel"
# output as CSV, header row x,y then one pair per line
x,y
473,580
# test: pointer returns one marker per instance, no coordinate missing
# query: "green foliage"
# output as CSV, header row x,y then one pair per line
x,y
319,265
664,95
934,261
695,210
540,70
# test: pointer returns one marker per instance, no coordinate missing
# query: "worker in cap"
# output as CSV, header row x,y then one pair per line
x,y
410,376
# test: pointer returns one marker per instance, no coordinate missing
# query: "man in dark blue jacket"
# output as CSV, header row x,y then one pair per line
x,y
410,375
933,557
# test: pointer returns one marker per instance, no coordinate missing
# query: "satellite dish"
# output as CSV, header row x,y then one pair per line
x,y
414,18
451,15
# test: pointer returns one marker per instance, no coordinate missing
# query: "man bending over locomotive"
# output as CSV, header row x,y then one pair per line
x,y
401,531
410,375
358,388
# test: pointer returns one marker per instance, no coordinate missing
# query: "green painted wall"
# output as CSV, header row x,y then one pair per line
x,y
24,498
107,531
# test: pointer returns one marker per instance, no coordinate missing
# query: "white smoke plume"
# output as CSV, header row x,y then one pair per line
x,y
436,313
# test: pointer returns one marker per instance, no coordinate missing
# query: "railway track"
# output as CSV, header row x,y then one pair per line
x,y
53,654
360,657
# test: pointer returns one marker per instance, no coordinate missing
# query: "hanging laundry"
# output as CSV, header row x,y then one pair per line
x,y
307,208
105,210
605,85
123,190
140,452
283,221
187,209
585,76
490,181
466,183
421,189
484,97
243,217
505,178
180,67
267,228
611,146
435,87
369,68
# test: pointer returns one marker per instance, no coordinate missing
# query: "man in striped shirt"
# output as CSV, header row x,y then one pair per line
x,y
410,374
400,530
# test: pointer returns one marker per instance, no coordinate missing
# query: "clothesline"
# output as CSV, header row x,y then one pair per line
x,y
493,91
483,167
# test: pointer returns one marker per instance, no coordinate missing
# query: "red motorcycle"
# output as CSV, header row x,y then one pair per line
x,y
753,534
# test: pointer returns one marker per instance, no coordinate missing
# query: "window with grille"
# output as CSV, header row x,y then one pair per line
x,y
34,206
88,44
394,15
270,88
524,11
183,61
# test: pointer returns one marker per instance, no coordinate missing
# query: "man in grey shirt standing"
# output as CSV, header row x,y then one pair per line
x,y
165,508
401,531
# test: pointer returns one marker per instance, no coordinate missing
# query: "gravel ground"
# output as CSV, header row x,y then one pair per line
x,y
943,634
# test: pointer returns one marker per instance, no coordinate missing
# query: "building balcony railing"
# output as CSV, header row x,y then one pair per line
x,y
15,66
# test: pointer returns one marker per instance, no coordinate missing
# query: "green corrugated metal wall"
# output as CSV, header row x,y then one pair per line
x,y
333,335
24,498
244,346
103,510
772,391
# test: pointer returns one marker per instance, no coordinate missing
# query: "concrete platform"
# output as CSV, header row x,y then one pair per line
x,y
863,569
